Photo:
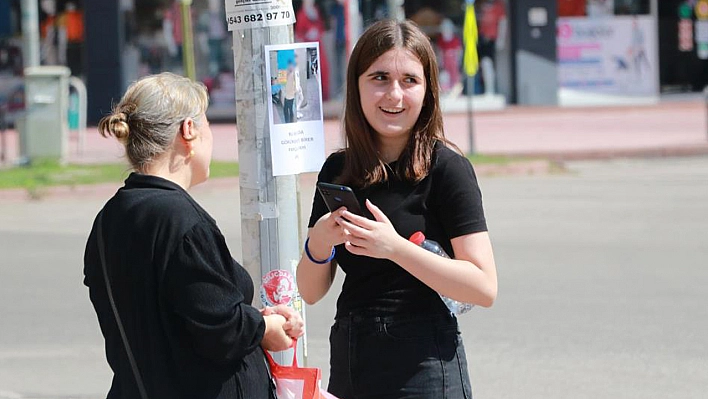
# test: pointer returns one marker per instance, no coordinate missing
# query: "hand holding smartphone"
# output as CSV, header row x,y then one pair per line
x,y
336,196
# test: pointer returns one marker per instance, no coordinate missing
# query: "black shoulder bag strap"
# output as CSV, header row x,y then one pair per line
x,y
131,359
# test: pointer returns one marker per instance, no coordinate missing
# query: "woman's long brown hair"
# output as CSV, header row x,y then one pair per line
x,y
362,165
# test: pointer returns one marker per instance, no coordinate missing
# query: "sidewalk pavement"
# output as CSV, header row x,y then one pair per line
x,y
665,129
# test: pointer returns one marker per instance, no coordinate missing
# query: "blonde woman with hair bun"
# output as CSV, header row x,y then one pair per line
x,y
173,305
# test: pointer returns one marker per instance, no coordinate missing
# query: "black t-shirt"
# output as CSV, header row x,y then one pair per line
x,y
445,204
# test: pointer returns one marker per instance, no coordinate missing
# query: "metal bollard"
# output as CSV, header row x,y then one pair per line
x,y
81,105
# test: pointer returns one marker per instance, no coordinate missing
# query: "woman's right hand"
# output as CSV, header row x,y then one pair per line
x,y
294,326
326,233
314,278
275,338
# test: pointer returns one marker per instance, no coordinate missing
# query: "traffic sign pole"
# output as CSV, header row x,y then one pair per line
x,y
270,232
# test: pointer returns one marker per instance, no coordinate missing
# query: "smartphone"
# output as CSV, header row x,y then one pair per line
x,y
337,196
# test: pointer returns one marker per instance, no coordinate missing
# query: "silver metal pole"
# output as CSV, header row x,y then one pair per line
x,y
269,218
353,26
705,97
470,119
3,141
654,11
30,33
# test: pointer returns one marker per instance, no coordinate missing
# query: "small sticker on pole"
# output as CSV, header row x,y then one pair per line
x,y
278,288
249,14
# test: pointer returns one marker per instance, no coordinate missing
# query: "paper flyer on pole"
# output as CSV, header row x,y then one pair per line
x,y
295,108
249,14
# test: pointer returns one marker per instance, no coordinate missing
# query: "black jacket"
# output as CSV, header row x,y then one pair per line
x,y
184,301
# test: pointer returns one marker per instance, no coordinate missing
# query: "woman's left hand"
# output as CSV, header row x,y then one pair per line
x,y
294,325
374,238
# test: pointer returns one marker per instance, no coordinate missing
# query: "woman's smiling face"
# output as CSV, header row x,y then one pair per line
x,y
392,91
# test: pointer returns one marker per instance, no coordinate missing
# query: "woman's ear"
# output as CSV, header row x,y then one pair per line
x,y
187,129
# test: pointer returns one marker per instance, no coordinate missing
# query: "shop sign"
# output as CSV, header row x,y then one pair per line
x,y
685,35
250,14
608,55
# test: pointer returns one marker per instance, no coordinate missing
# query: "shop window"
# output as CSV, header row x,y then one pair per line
x,y
571,8
632,7
154,37
600,8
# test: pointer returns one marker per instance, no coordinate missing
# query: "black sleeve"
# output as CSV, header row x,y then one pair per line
x,y
329,172
205,291
459,198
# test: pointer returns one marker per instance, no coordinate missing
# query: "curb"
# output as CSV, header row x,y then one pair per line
x,y
604,154
54,192
105,190
525,164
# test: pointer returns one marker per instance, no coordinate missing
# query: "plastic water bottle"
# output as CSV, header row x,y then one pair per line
x,y
455,307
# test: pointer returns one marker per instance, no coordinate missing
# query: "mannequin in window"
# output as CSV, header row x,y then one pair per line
x,y
450,47
212,33
310,27
172,30
637,49
48,33
71,38
492,36
337,22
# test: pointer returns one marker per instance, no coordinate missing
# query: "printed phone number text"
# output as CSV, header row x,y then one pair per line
x,y
258,17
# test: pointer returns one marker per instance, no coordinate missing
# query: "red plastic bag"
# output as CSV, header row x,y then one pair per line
x,y
293,382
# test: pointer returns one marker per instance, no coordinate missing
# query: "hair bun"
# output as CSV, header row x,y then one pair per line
x,y
118,125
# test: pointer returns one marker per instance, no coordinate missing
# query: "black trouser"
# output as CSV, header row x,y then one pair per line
x,y
289,110
398,357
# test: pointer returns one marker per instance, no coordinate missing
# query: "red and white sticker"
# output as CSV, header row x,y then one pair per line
x,y
278,288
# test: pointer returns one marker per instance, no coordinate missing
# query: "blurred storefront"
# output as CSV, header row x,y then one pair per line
x,y
605,48
154,37
683,45
11,94
111,43
631,49
607,52
443,22
134,38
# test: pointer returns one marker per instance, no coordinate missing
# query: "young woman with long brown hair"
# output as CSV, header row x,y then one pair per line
x,y
393,336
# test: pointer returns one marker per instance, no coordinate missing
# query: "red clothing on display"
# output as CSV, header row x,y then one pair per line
x,y
73,21
312,30
174,15
491,12
571,8
450,51
48,23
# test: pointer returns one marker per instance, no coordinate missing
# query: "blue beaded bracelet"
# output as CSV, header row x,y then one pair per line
x,y
313,260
